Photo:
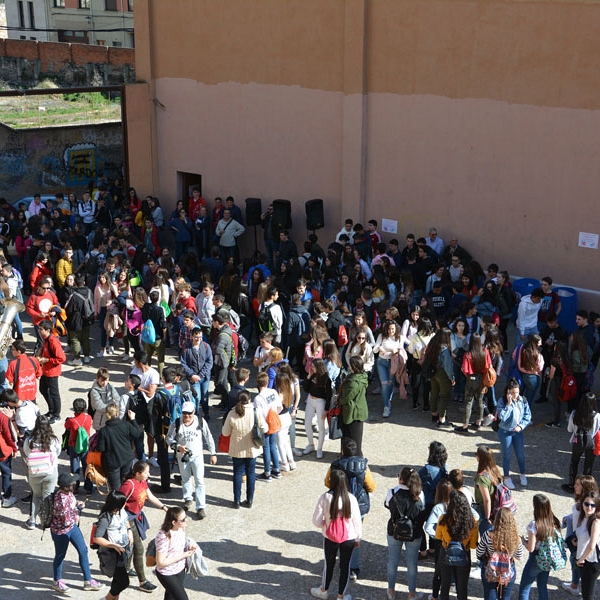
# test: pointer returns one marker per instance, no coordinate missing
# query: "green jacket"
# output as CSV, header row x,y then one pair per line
x,y
353,398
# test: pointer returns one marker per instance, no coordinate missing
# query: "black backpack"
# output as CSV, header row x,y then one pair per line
x,y
265,320
403,525
583,439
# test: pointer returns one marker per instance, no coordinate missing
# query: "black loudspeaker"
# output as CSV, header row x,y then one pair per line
x,y
282,215
253,211
314,214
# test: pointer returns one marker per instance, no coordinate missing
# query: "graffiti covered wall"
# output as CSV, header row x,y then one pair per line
x,y
57,159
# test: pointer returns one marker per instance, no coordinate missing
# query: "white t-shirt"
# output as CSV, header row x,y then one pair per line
x,y
150,377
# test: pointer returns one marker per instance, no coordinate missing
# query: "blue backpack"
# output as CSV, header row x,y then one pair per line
x,y
513,367
148,332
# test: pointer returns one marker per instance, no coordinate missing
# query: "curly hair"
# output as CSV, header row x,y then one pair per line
x,y
506,533
438,455
458,518
42,434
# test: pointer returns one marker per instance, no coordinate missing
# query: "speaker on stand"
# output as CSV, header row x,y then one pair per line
x,y
315,219
253,213
282,215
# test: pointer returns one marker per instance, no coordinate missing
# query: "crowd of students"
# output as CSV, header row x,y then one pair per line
x,y
424,322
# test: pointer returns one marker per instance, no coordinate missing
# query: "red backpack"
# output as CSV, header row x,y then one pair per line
x,y
567,390
342,336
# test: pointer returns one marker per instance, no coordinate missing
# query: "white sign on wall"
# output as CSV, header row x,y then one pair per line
x,y
389,226
588,240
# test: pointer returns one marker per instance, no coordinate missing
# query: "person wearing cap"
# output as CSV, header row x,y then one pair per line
x,y
186,436
65,530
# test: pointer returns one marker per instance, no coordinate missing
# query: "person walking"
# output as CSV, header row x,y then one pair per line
x,y
50,356
337,514
352,398
239,425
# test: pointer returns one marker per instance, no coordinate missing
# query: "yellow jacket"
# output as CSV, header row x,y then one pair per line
x,y
63,268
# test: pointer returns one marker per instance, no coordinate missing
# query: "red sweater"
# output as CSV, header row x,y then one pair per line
x,y
52,349
38,307
29,372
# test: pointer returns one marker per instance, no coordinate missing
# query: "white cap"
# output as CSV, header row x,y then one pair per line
x,y
188,407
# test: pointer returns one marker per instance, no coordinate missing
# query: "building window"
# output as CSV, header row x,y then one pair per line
x,y
59,3
21,15
31,15
100,42
84,4
130,5
118,44
111,5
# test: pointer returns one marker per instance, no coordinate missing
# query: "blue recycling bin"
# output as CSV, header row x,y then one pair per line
x,y
568,301
524,287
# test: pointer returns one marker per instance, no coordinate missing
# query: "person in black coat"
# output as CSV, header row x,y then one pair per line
x,y
114,441
77,325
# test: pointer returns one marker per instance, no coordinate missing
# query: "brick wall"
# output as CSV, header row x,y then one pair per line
x,y
26,62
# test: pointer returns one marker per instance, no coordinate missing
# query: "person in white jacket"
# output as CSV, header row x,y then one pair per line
x,y
338,516
186,434
228,230
527,315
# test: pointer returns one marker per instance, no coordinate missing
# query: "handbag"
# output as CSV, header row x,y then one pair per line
x,y
273,421
258,436
334,418
224,441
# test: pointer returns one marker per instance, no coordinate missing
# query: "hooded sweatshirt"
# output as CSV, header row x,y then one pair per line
x,y
528,314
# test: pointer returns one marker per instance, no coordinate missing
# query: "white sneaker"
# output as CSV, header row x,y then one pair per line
x,y
488,420
152,461
100,354
297,452
523,480
508,482
87,360
292,466
386,412
8,502
111,350
319,453
317,592
310,448
284,467
574,591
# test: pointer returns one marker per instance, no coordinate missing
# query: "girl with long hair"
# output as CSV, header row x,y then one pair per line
x,y
580,360
503,537
495,348
135,487
319,389
544,525
487,478
358,324
172,550
314,347
442,497
588,534
560,365
457,525
584,424
104,293
459,343
431,474
531,364
283,386
389,344
583,485
475,363
238,425
332,358
113,536
440,358
42,443
286,369
514,415
417,347
359,346
407,500
337,514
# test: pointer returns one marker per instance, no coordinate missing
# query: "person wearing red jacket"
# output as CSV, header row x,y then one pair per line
x,y
28,372
42,304
194,204
8,449
42,268
51,357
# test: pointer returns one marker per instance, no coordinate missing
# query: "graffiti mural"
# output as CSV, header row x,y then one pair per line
x,y
57,159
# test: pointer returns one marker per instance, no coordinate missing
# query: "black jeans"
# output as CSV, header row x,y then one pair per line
x,y
331,549
459,574
120,580
116,477
354,431
49,389
588,462
173,584
589,575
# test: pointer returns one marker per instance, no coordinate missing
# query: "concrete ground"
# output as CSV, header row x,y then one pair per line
x,y
272,550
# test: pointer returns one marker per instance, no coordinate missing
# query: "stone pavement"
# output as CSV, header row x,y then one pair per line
x,y
272,550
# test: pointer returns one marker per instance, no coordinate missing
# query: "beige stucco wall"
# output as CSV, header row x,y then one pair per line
x,y
480,117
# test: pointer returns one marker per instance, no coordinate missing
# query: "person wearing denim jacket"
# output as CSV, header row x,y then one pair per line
x,y
514,415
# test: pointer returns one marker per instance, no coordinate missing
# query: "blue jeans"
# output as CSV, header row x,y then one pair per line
x,y
490,590
387,385
6,473
531,573
200,391
244,466
514,440
192,479
270,453
530,386
412,557
61,545
78,465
